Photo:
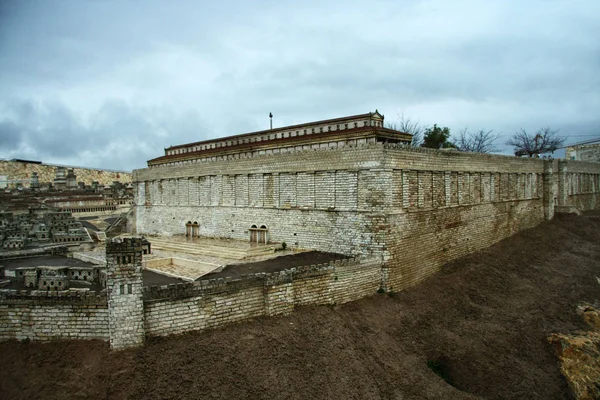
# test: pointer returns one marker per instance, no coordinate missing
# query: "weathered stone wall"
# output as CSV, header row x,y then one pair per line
x,y
41,315
415,208
22,172
293,194
579,184
58,249
342,232
329,200
420,243
454,204
194,306
586,152
171,309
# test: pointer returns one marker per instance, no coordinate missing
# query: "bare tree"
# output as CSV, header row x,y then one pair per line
x,y
481,141
545,140
407,125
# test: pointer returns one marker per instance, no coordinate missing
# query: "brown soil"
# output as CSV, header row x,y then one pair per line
x,y
482,323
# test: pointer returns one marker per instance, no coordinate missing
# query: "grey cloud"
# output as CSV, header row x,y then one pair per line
x,y
10,137
112,83
117,136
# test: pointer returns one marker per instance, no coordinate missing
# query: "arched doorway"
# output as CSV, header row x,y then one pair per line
x,y
188,229
195,229
254,234
259,235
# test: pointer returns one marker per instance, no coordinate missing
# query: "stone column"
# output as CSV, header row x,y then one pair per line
x,y
562,183
405,190
125,292
447,187
548,190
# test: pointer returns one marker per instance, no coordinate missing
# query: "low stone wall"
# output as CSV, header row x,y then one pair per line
x,y
157,262
39,315
179,308
54,249
98,260
188,270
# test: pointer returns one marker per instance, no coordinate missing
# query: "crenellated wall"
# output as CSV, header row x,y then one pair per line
x,y
129,312
206,304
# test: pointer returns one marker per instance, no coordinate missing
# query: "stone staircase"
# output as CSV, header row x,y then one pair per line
x,y
233,250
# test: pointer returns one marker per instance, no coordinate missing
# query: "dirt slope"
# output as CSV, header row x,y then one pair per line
x,y
482,323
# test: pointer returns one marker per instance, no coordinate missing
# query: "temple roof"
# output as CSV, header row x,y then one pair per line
x,y
283,128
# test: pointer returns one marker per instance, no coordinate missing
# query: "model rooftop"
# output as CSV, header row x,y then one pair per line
x,y
325,133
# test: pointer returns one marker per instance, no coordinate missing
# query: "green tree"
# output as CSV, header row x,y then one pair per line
x,y
436,137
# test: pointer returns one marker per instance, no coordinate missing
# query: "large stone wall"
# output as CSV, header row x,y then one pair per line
x,y
454,204
415,208
38,315
278,191
329,200
579,185
420,243
22,172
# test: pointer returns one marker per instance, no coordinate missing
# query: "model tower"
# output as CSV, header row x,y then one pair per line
x,y
125,292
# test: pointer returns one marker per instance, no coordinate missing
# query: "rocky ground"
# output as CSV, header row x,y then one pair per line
x,y
579,354
477,329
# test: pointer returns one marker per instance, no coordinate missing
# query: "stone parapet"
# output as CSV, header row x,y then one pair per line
x,y
210,303
217,285
54,295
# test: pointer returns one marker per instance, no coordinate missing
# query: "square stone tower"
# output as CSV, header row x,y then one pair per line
x,y
124,288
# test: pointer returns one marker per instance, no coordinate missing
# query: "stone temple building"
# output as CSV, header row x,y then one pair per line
x,y
296,184
349,185
346,185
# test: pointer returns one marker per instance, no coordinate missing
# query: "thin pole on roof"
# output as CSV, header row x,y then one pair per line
x,y
271,120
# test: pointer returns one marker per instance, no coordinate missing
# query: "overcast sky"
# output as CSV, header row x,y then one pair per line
x,y
111,83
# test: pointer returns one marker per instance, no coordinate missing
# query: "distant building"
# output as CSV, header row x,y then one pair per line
x,y
35,181
17,172
587,151
40,225
60,182
71,179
